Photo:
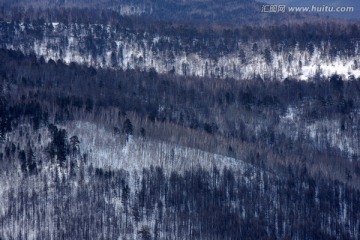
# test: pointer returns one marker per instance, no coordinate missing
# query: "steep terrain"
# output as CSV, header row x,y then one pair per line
x,y
138,154
177,120
190,52
209,11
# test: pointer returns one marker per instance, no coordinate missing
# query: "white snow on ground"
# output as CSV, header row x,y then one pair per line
x,y
320,131
290,114
333,135
344,69
105,151
130,52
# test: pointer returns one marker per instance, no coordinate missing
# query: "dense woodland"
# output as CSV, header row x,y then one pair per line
x,y
47,171
107,39
199,11
131,127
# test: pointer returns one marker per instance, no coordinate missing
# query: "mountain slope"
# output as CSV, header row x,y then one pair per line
x,y
204,11
238,54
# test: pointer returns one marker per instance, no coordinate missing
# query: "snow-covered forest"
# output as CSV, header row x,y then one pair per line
x,y
131,127
228,54
125,163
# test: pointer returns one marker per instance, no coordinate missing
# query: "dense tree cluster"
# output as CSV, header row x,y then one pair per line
x,y
246,120
199,204
107,39
338,37
229,114
232,12
107,130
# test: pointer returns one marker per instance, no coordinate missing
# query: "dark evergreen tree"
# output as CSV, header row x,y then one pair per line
x,y
31,161
128,127
23,163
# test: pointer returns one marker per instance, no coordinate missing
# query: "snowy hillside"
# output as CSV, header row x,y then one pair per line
x,y
106,151
102,153
106,46
154,120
